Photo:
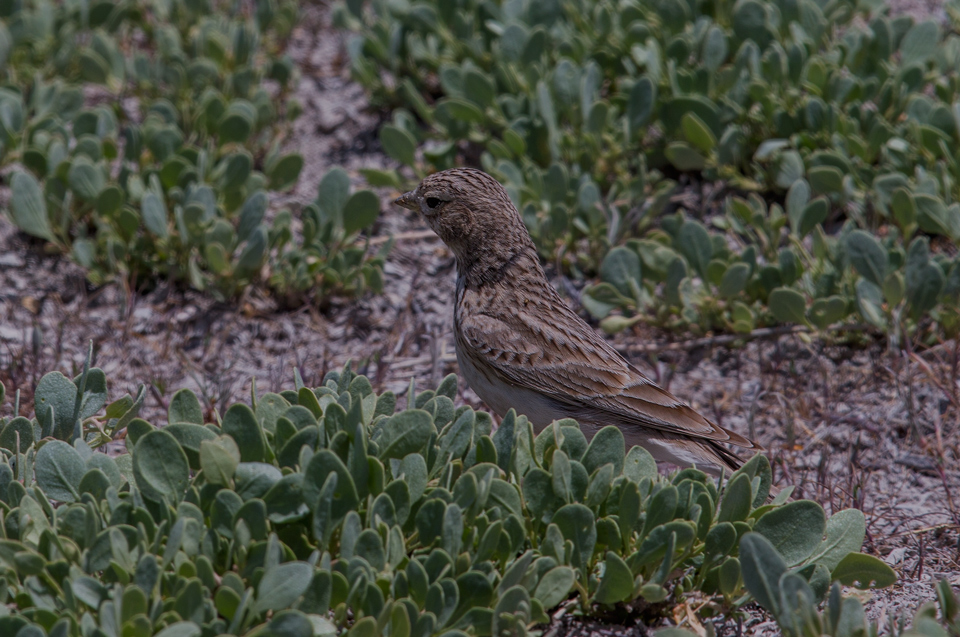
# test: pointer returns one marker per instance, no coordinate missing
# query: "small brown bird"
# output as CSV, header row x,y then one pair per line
x,y
519,345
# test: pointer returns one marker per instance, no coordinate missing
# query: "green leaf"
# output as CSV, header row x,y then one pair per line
x,y
479,88
28,209
333,192
935,217
694,243
284,172
639,464
616,585
813,213
698,133
413,471
345,498
788,305
399,144
282,585
560,473
606,447
870,303
864,572
460,110
360,211
867,256
190,436
719,542
219,459
924,278
825,312
714,48
405,433
93,68
180,629
185,407
919,43
85,178
825,179
795,529
769,148
904,210
555,586
251,214
56,394
577,524
59,469
241,424
236,169
797,199
735,505
18,428
154,213
761,568
684,157
237,123
621,269
160,467
789,170
845,532
253,254
734,280
566,83
640,104
894,288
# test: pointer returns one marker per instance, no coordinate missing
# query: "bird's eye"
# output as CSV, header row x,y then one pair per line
x,y
432,202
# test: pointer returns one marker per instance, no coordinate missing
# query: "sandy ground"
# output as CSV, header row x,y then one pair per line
x,y
863,427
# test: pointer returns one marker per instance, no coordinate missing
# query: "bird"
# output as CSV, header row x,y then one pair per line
x,y
519,345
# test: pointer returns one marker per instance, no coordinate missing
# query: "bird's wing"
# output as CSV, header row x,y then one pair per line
x,y
573,365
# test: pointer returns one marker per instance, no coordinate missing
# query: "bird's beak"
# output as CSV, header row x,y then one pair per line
x,y
407,200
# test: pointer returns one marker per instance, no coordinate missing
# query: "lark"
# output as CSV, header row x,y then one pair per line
x,y
520,345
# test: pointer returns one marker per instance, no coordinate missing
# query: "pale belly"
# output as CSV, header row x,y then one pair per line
x,y
501,396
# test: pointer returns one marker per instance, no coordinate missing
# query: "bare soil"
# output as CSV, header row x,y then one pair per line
x,y
851,426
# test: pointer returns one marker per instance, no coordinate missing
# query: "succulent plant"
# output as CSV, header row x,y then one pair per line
x,y
179,189
820,119
319,510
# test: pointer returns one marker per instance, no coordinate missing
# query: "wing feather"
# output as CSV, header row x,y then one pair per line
x,y
580,370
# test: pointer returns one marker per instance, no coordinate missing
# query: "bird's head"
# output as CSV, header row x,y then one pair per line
x,y
472,213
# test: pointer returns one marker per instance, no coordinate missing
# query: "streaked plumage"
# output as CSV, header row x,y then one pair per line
x,y
519,345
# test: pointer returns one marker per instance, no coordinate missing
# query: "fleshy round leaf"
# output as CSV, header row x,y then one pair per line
x,y
27,206
788,305
59,470
241,423
185,407
617,582
405,433
282,585
160,467
219,459
867,256
285,171
795,529
360,211
864,571
762,568
554,586
845,532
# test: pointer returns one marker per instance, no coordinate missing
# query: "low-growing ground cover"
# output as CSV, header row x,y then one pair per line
x,y
321,509
819,134
144,140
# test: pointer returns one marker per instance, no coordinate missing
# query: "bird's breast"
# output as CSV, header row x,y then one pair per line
x,y
501,395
